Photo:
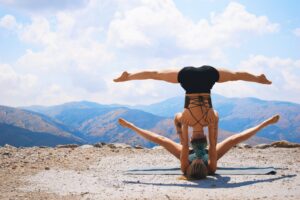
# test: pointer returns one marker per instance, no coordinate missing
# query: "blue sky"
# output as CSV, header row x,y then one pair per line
x,y
57,51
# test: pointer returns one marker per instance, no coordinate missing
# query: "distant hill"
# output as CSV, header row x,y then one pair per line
x,y
166,108
20,137
237,114
247,112
33,128
100,123
54,111
91,122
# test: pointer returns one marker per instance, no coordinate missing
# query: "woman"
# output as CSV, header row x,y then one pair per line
x,y
198,164
197,82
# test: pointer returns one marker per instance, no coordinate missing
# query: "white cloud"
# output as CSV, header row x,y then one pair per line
x,y
144,24
153,23
38,32
54,94
9,22
9,78
297,32
225,28
237,18
15,87
141,92
76,53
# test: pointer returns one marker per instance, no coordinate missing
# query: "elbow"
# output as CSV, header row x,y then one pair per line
x,y
183,170
213,169
184,166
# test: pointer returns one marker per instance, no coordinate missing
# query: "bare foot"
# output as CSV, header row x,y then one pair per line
x,y
123,77
263,79
273,120
125,123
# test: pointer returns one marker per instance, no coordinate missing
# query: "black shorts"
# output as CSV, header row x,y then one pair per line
x,y
198,79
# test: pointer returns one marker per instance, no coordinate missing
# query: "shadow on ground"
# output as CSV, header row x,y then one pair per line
x,y
214,182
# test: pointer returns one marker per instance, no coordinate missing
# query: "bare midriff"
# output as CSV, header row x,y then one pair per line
x,y
197,94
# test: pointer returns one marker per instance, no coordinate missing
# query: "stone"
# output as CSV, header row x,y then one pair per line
x,y
112,146
67,146
9,146
262,146
86,146
7,154
119,146
285,144
157,147
138,147
99,144
122,146
243,146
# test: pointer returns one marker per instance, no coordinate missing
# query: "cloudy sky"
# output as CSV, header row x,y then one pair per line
x,y
57,51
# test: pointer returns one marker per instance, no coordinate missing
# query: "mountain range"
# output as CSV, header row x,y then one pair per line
x,y
90,122
21,127
238,114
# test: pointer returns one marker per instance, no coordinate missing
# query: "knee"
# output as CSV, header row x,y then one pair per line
x,y
177,117
213,117
216,114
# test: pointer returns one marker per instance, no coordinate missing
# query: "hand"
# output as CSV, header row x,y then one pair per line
x,y
125,123
124,77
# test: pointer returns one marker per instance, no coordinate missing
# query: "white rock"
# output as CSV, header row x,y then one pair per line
x,y
120,145
262,146
86,146
9,146
67,146
157,147
285,144
243,146
99,144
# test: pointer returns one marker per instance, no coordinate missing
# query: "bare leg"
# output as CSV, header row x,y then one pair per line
x,y
163,75
226,75
171,146
231,141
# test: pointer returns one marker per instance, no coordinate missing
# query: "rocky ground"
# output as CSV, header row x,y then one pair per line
x,y
89,172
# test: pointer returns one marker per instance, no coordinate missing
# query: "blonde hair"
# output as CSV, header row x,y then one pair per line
x,y
196,170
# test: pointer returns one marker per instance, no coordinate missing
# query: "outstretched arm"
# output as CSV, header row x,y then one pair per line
x,y
227,75
184,156
162,75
